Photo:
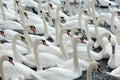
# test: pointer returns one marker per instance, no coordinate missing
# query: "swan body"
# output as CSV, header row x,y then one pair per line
x,y
8,24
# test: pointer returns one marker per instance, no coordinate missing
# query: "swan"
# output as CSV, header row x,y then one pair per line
x,y
9,34
92,65
16,55
30,40
18,68
2,10
2,59
110,17
7,13
58,72
113,61
47,59
75,61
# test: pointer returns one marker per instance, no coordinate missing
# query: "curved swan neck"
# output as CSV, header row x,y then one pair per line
x,y
101,20
62,45
75,55
2,9
36,55
89,71
89,46
57,26
14,48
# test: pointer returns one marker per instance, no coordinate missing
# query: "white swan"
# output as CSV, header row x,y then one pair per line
x,y
75,59
49,49
57,72
2,59
47,59
18,68
2,10
113,61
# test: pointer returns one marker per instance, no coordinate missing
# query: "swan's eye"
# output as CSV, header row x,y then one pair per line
x,y
11,60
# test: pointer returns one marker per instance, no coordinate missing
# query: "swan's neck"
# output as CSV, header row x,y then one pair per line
x,y
113,28
89,54
1,70
28,45
97,32
87,30
2,9
45,25
62,48
36,56
68,7
112,23
57,26
93,13
75,56
89,72
80,14
112,61
17,58
39,3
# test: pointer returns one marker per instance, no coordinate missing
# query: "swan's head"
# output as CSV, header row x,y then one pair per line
x,y
48,14
62,19
2,33
75,2
68,32
44,43
5,5
96,66
17,2
51,6
33,28
99,68
26,15
7,58
23,39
